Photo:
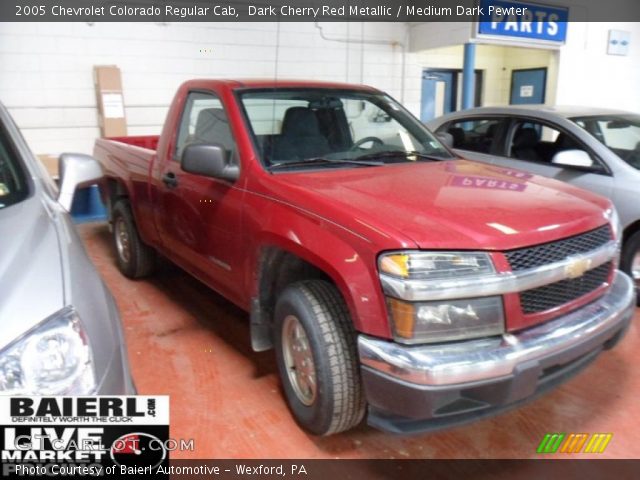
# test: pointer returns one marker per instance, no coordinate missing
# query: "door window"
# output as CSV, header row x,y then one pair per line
x,y
476,135
204,122
620,133
13,180
538,142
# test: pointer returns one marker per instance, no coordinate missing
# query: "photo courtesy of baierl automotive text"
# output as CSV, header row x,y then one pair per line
x,y
319,238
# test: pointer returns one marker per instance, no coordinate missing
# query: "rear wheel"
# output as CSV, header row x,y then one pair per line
x,y
135,259
317,358
630,262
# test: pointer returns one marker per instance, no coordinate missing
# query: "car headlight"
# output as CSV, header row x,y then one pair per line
x,y
54,358
435,265
614,220
442,320
612,216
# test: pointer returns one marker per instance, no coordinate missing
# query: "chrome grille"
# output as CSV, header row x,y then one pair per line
x,y
557,294
565,291
546,253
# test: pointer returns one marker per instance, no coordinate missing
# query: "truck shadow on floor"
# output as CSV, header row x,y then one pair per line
x,y
210,310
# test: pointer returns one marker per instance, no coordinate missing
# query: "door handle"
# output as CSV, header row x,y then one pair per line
x,y
170,179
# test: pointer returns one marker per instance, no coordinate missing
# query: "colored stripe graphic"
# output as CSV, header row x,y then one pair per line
x,y
598,443
574,442
550,443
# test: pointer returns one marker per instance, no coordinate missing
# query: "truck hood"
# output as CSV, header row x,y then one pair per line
x,y
455,204
31,285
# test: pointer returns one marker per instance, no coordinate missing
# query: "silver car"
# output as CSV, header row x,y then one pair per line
x,y
60,330
595,149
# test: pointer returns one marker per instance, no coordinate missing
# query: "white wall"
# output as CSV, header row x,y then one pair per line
x,y
579,72
46,77
497,63
588,76
46,73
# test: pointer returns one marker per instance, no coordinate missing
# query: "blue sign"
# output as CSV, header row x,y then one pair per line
x,y
504,18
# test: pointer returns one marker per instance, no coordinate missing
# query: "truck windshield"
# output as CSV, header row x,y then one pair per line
x,y
620,133
297,128
13,182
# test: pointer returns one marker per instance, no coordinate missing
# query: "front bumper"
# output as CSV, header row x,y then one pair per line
x,y
413,389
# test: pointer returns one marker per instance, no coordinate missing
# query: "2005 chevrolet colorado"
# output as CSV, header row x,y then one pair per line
x,y
392,278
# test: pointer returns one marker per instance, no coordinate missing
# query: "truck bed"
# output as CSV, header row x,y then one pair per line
x,y
128,161
126,157
149,142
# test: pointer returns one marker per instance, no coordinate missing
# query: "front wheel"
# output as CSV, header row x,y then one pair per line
x,y
630,261
317,358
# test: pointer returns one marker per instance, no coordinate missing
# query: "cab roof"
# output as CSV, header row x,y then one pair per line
x,y
282,83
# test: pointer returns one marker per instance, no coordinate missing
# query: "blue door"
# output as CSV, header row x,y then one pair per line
x,y
438,94
528,86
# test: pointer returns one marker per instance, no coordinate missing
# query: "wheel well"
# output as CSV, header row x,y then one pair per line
x,y
277,269
115,191
629,231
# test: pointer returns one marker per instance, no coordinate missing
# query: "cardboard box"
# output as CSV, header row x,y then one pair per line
x,y
50,163
112,120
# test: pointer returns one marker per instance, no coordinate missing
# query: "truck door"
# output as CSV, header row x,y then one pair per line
x,y
199,217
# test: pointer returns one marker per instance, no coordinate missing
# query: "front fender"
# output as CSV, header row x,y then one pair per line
x,y
346,257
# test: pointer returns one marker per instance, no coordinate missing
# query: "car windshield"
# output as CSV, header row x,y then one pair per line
x,y
298,128
620,133
13,182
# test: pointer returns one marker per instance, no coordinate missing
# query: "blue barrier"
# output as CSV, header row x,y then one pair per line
x,y
87,205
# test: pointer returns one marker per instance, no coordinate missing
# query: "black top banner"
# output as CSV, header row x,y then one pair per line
x,y
314,10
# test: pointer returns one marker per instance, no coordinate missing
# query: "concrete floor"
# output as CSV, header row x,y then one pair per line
x,y
188,342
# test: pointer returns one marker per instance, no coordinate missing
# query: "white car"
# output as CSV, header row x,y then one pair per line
x,y
595,149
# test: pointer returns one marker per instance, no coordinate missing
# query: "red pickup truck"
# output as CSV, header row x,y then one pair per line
x,y
393,279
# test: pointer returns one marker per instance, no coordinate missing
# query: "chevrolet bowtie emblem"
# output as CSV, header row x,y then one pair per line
x,y
577,268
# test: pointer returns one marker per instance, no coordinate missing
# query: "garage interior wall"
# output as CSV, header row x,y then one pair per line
x,y
47,68
496,63
588,76
580,72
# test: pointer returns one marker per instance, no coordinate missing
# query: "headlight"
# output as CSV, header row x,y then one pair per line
x,y
616,227
442,320
435,265
54,358
446,320
614,220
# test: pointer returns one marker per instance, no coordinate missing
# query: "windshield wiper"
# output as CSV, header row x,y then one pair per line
x,y
323,160
401,153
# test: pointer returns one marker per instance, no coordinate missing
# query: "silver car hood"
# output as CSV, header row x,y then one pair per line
x,y
31,283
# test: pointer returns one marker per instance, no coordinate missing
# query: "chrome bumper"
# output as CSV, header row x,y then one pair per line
x,y
494,358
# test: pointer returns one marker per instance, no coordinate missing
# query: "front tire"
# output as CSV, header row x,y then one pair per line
x,y
630,261
317,358
135,259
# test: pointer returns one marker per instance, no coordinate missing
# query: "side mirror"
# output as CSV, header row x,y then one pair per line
x,y
446,138
76,170
210,161
572,158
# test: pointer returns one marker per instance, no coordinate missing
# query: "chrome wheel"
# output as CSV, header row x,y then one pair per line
x,y
635,268
123,244
298,359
